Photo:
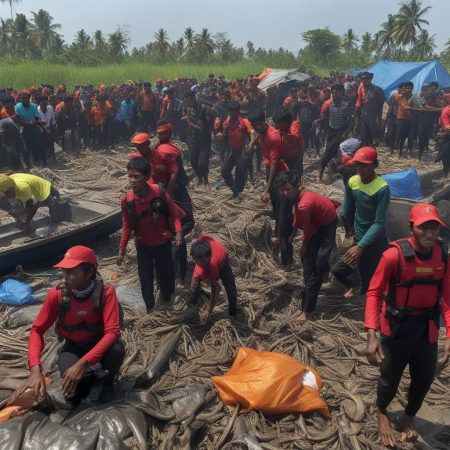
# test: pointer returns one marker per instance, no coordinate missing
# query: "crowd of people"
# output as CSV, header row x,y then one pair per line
x,y
406,283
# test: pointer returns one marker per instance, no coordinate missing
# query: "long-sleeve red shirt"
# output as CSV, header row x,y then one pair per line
x,y
150,231
313,211
49,314
271,149
219,256
425,295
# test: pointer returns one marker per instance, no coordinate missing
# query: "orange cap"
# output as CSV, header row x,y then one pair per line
x,y
76,256
365,155
140,138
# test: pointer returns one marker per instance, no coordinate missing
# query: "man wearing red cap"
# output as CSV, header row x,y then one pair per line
x,y
364,213
86,313
152,217
412,286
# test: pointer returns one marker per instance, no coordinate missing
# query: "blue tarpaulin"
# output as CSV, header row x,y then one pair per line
x,y
405,184
388,74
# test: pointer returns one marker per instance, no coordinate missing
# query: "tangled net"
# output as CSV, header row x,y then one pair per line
x,y
268,299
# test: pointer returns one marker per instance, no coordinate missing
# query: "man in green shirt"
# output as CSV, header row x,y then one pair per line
x,y
32,192
364,214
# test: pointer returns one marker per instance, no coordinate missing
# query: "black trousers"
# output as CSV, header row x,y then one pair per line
x,y
34,145
179,254
426,123
70,353
350,277
444,153
155,259
316,263
368,132
200,159
415,350
404,131
282,214
229,283
235,160
148,121
334,138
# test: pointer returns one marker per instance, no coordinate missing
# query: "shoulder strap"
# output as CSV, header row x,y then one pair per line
x,y
407,249
97,295
444,248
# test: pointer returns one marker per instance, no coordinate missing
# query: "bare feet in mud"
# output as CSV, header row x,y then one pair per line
x,y
304,316
407,429
385,429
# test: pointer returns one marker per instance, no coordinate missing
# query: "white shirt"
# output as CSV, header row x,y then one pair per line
x,y
48,117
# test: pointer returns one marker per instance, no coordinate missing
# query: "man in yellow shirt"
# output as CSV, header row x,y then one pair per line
x,y
32,192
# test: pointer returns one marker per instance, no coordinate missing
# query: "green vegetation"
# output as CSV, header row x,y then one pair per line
x,y
44,56
29,73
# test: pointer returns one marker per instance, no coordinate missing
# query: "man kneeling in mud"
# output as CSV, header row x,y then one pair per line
x,y
211,263
86,313
409,282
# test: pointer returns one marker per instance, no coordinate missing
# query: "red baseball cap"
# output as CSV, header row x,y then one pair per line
x,y
76,256
365,155
424,212
140,138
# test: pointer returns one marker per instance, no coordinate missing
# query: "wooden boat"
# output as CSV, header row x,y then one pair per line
x,y
90,220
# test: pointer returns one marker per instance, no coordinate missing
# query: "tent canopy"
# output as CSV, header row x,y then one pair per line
x,y
280,76
388,74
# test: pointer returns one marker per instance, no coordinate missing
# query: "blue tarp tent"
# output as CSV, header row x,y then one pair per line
x,y
388,74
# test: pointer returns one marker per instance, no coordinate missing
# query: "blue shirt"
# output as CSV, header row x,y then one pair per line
x,y
27,114
126,110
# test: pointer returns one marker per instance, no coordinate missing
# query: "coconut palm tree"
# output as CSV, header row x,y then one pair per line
x,y
44,30
424,46
161,45
204,45
349,40
178,48
99,41
367,44
11,2
21,35
408,20
6,30
82,40
118,42
189,35
384,39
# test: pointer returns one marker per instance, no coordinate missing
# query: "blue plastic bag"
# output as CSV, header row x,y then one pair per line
x,y
16,293
405,184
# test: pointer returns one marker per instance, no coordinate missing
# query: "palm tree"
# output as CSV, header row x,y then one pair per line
x,y
161,44
44,30
6,29
11,2
82,40
366,44
384,39
21,35
424,46
204,45
189,35
118,42
408,20
178,48
349,41
99,41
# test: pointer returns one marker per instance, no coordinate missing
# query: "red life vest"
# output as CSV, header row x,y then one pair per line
x,y
91,319
410,283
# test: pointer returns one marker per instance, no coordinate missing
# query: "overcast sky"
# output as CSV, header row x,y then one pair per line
x,y
268,23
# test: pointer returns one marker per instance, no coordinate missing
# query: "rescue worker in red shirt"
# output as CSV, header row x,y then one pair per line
x,y
316,216
86,313
148,107
292,140
412,287
154,220
236,136
444,141
269,139
167,168
211,264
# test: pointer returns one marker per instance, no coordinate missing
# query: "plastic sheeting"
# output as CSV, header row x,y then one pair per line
x,y
269,382
280,76
388,74
405,184
16,293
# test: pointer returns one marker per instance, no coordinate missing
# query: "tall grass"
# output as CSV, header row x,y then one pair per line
x,y
26,74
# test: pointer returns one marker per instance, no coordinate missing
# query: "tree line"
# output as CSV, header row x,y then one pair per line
x,y
403,37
